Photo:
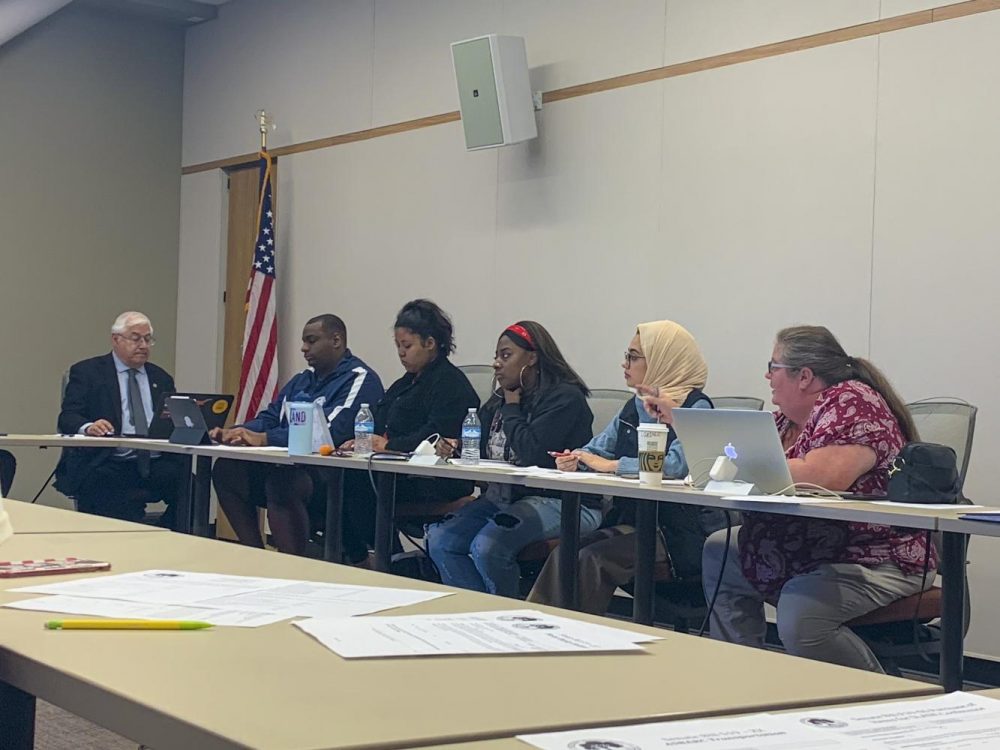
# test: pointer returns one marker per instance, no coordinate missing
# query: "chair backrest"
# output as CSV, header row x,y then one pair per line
x,y
948,421
481,377
606,403
738,402
8,467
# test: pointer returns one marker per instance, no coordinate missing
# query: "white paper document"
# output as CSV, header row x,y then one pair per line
x,y
277,596
122,610
960,721
760,732
780,499
928,506
505,632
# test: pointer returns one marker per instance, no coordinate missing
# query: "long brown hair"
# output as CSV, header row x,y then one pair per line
x,y
818,349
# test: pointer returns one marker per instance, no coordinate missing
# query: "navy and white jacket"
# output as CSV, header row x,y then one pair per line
x,y
351,384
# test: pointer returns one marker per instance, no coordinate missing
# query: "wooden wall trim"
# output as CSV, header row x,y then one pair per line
x,y
812,41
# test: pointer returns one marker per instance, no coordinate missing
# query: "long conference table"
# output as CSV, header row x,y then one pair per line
x,y
275,688
194,506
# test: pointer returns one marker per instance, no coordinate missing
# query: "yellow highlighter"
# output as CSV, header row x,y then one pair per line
x,y
126,625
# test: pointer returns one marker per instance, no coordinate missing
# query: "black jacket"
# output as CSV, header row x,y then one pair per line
x,y
416,407
92,393
554,419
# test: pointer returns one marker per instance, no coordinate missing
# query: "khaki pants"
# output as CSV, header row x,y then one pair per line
x,y
607,561
812,607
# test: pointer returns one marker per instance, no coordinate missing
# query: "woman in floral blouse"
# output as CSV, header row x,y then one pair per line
x,y
841,424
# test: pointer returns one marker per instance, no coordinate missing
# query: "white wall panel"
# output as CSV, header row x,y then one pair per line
x,y
936,237
701,28
577,227
577,41
413,73
758,237
899,7
307,62
372,225
201,264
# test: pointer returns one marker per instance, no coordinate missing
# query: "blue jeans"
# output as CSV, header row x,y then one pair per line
x,y
477,547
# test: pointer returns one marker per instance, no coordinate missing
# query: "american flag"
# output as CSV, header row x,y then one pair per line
x,y
259,373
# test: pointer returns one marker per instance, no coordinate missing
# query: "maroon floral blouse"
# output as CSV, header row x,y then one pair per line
x,y
773,548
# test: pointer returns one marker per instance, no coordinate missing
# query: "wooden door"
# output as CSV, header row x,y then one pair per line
x,y
244,195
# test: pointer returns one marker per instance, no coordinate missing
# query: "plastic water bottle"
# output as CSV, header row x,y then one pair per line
x,y
471,432
364,428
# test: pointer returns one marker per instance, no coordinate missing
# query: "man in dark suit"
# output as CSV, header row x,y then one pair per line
x,y
115,394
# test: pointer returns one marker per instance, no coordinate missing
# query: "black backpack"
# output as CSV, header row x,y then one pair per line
x,y
925,473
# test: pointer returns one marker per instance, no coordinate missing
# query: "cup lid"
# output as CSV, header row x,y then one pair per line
x,y
653,427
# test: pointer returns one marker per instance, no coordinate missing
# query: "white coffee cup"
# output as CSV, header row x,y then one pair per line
x,y
652,447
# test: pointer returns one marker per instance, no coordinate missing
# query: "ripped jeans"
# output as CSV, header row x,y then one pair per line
x,y
477,547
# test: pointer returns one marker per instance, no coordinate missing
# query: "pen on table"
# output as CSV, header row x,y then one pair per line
x,y
126,625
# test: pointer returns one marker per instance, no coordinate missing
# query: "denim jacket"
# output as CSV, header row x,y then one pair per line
x,y
604,445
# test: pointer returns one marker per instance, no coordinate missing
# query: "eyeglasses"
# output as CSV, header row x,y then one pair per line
x,y
630,357
772,366
135,339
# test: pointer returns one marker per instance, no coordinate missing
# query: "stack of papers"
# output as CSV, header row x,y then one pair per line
x,y
503,632
960,721
780,499
209,597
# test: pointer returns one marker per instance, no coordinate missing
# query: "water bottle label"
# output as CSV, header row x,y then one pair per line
x,y
368,427
471,433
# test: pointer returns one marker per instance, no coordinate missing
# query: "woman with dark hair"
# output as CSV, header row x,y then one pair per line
x,y
432,397
841,424
541,408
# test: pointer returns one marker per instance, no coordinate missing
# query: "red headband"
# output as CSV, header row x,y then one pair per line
x,y
521,332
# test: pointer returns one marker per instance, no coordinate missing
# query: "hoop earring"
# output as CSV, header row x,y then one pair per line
x,y
520,376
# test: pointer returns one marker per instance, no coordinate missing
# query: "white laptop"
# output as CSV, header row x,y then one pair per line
x,y
749,438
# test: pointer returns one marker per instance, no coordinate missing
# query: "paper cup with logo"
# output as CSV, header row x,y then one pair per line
x,y
652,447
300,428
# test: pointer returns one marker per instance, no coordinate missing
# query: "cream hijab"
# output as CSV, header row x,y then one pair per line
x,y
673,360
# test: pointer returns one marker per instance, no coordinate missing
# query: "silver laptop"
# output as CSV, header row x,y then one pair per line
x,y
749,438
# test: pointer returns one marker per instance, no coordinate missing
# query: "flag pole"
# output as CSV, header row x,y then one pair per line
x,y
265,122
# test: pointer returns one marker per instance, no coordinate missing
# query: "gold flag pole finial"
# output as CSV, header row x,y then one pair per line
x,y
265,122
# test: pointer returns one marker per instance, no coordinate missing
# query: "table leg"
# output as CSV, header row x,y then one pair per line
x,y
17,718
952,610
183,517
385,524
645,559
569,550
333,534
202,501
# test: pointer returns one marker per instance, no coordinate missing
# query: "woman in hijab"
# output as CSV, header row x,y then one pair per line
x,y
662,358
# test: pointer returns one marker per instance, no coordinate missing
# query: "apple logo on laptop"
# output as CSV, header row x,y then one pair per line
x,y
730,452
188,422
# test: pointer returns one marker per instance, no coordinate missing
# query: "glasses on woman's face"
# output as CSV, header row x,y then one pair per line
x,y
772,366
135,339
630,357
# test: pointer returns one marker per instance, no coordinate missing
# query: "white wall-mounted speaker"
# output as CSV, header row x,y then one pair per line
x,y
494,91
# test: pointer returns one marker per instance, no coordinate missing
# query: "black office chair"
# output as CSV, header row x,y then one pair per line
x,y
8,467
908,627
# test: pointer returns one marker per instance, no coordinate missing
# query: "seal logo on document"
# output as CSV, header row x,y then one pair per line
x,y
821,723
597,744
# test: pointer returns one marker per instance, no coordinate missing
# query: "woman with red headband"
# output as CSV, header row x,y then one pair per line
x,y
540,407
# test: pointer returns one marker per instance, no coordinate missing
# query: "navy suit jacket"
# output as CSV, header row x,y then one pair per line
x,y
92,393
